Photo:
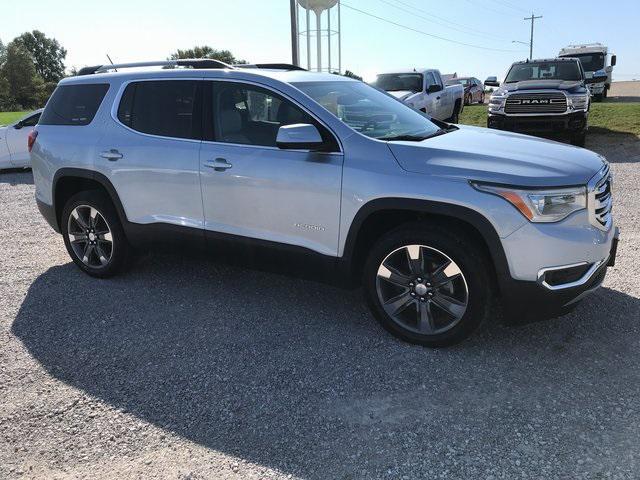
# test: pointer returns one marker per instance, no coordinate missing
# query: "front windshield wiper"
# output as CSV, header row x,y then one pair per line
x,y
417,138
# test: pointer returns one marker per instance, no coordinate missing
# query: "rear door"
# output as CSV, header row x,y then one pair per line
x,y
150,151
252,188
17,135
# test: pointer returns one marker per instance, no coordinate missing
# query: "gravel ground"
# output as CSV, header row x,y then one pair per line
x,y
186,368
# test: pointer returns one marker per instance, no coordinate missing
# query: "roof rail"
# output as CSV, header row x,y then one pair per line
x,y
205,63
270,66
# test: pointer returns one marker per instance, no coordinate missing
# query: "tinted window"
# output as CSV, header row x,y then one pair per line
x,y
397,82
74,104
592,61
252,115
167,108
30,121
544,71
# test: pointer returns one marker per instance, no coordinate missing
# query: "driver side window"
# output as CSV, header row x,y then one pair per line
x,y
251,115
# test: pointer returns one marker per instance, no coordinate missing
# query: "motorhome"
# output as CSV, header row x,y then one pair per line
x,y
593,57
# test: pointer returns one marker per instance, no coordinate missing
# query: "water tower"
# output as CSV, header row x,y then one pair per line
x,y
322,42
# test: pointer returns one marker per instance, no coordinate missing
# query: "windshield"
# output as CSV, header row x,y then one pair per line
x,y
368,110
461,81
591,61
544,71
395,82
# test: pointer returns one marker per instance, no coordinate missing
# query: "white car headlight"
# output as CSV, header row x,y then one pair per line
x,y
579,102
496,102
549,205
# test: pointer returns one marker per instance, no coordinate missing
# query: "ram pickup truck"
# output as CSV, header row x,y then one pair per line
x,y
424,90
543,96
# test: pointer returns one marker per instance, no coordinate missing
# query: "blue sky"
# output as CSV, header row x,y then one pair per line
x,y
258,31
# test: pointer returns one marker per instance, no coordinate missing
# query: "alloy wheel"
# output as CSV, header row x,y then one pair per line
x,y
90,236
422,289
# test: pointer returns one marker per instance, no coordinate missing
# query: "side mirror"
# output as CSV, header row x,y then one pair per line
x,y
492,82
613,60
433,88
299,136
597,77
18,125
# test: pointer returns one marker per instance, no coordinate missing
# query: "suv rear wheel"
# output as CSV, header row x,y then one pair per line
x,y
427,285
93,234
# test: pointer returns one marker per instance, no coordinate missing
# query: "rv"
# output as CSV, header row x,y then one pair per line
x,y
593,57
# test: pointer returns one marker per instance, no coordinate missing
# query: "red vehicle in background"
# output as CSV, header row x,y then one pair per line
x,y
473,89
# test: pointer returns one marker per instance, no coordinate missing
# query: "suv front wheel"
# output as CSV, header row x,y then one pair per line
x,y
427,285
93,234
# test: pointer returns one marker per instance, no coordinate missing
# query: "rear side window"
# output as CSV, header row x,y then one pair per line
x,y
74,104
169,108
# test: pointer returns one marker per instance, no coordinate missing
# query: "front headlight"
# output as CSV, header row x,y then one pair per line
x,y
549,205
496,102
579,102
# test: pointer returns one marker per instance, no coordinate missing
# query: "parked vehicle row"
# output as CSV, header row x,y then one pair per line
x,y
434,220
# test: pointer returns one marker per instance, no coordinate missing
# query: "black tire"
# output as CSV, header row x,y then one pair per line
x,y
597,97
605,92
472,263
579,139
119,252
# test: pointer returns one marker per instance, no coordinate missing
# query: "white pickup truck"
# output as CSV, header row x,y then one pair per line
x,y
424,90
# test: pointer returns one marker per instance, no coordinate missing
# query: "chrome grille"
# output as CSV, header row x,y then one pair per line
x,y
601,200
536,103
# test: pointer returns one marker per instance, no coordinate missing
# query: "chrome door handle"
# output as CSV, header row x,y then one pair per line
x,y
111,155
219,164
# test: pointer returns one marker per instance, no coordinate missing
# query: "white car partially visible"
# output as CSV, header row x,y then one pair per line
x,y
14,152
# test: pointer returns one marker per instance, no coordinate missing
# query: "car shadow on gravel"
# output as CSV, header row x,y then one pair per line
x,y
16,176
296,375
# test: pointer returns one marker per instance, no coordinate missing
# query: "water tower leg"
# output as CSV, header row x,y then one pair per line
x,y
339,41
308,43
329,39
319,40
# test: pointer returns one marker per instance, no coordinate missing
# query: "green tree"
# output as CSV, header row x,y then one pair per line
x,y
48,55
18,75
206,51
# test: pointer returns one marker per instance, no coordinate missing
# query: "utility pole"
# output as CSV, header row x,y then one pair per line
x,y
533,19
294,34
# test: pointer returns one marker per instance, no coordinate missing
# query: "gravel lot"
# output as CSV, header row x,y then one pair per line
x,y
188,368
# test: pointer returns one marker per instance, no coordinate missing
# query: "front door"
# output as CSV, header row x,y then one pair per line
x,y
252,188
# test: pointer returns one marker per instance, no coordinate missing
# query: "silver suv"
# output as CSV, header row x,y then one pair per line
x,y
433,220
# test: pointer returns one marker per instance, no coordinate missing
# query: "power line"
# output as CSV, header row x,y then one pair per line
x,y
465,29
505,3
423,32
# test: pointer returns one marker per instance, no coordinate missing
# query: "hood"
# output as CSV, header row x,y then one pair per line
x,y
474,153
401,94
568,86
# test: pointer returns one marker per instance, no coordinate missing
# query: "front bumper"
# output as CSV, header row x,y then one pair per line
x,y
523,300
596,88
574,122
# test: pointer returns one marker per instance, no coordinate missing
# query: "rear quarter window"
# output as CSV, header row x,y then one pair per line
x,y
167,108
74,104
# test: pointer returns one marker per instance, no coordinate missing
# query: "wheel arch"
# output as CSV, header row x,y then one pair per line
x,y
380,216
69,181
